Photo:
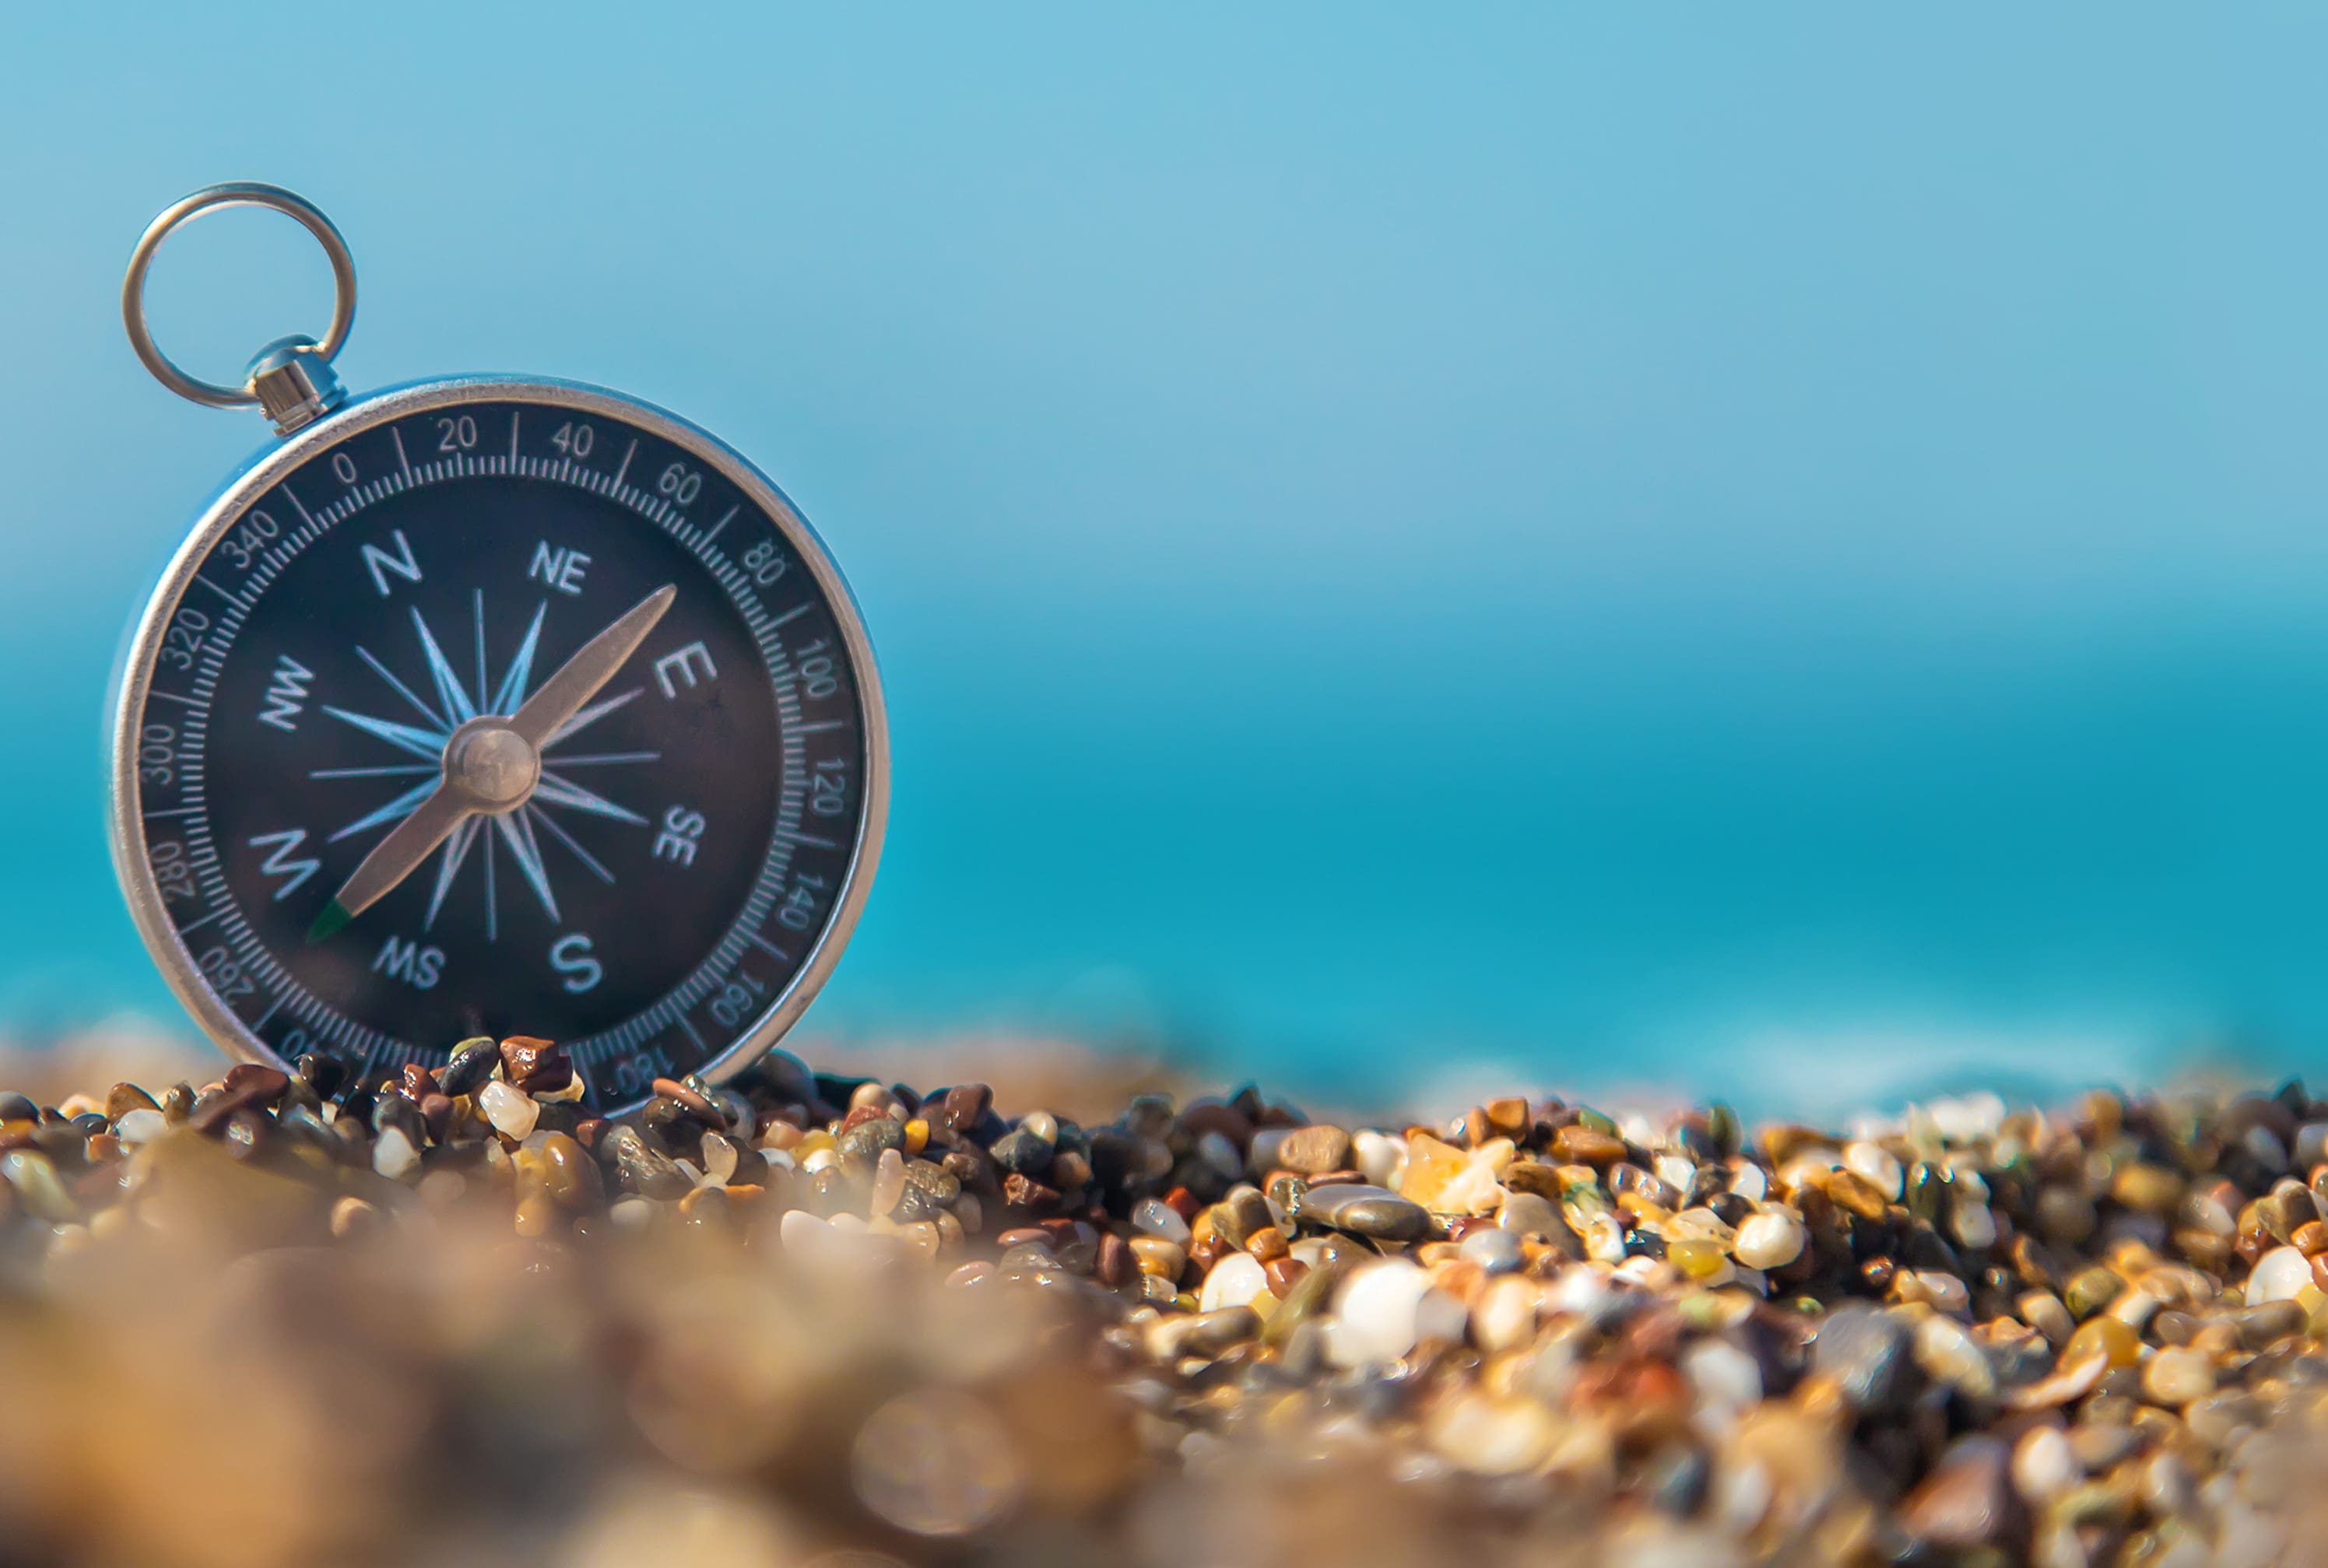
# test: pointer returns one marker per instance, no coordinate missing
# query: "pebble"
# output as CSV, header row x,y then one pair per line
x,y
864,1143
1154,1216
1315,1149
1023,1151
1966,1501
1864,1349
1233,1282
2043,1465
1504,1318
393,1155
1367,1211
1495,1250
140,1126
1770,1239
1377,1312
511,1111
471,1063
2277,1276
2175,1379
1874,1164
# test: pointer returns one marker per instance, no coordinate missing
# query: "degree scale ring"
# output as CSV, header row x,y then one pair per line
x,y
211,198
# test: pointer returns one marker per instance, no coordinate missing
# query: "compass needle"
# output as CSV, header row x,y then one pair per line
x,y
349,690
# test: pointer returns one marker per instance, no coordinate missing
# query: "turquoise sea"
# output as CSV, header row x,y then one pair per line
x,y
1778,559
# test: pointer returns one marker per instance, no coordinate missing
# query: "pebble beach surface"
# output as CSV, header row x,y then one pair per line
x,y
803,1318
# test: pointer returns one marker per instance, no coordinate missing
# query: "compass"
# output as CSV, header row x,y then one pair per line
x,y
490,705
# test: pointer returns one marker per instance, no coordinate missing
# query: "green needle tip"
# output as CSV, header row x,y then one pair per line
x,y
329,923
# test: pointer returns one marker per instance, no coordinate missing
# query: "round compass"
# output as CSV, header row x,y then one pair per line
x,y
495,706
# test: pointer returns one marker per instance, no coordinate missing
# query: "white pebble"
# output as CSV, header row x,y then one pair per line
x,y
1155,1217
2043,1465
1873,1163
823,1159
1042,1124
1971,1219
2278,1274
1494,1250
394,1157
1727,1381
1944,1290
1969,1119
140,1127
2265,1146
1505,1315
1747,1180
720,1158
1375,1311
1771,1239
632,1213
1581,1290
1378,1156
1233,1282
511,1110
2312,1144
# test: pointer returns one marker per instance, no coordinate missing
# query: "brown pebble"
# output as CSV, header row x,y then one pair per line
x,y
525,1054
353,1216
1856,1195
1577,1144
1283,1274
1019,1235
1267,1243
1206,1116
1314,1150
963,1107
1025,1192
248,1085
417,1084
1115,1265
2310,1237
554,1076
1509,1117
123,1098
573,1177
1967,1501
436,1115
703,1110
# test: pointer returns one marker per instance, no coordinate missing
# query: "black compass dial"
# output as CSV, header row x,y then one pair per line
x,y
405,774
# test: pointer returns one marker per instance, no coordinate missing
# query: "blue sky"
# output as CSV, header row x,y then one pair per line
x,y
1646,545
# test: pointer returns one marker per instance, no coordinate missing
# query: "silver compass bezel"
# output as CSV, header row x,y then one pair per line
x,y
134,678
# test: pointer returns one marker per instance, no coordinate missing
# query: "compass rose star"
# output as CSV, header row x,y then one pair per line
x,y
517,829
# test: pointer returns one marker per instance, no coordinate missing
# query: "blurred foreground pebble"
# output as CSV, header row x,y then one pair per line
x,y
451,1317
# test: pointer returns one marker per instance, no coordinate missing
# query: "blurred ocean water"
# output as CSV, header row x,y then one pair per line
x,y
1780,561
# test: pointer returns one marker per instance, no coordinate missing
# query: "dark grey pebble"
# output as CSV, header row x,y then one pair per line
x,y
639,1168
1865,1350
1023,1153
866,1141
1367,1211
935,1182
322,1074
15,1107
471,1064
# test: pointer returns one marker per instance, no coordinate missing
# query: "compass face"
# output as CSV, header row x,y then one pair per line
x,y
501,708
